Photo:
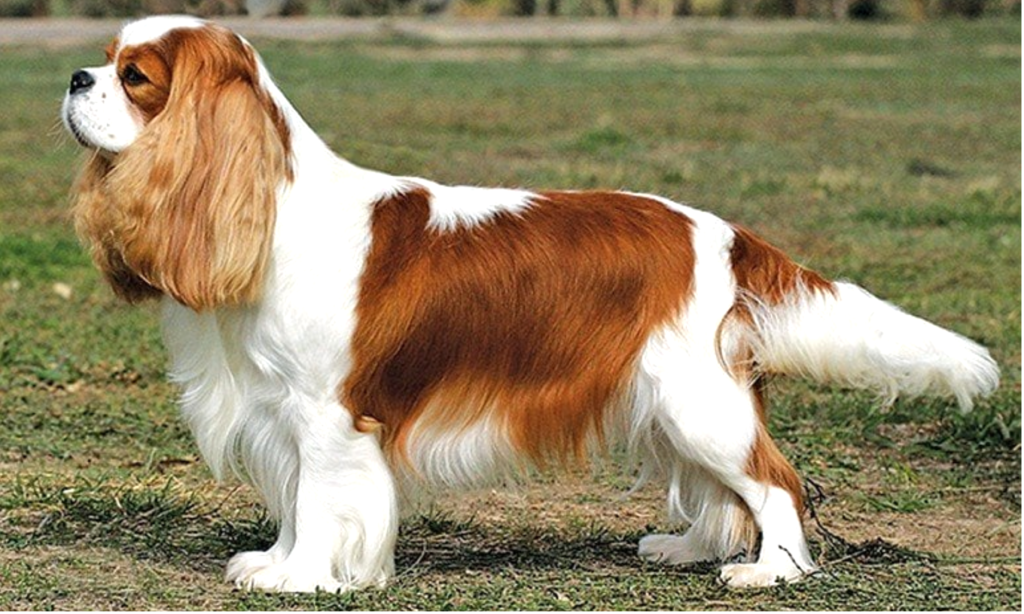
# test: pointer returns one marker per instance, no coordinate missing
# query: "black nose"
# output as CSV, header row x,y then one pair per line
x,y
81,81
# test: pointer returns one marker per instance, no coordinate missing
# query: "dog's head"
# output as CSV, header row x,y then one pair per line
x,y
190,153
169,65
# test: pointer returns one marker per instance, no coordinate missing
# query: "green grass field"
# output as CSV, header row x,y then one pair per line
x,y
887,155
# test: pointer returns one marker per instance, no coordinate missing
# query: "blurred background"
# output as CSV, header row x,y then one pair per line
x,y
917,10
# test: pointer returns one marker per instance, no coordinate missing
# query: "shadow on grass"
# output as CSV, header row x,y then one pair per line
x,y
160,524
449,563
156,524
442,544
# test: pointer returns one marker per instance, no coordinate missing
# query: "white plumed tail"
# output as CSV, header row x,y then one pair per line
x,y
851,338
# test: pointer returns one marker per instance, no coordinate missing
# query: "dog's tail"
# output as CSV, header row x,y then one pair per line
x,y
801,324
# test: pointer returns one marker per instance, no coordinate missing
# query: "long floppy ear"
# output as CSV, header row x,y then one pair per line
x,y
194,197
95,223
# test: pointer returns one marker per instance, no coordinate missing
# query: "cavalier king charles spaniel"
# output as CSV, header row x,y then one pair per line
x,y
341,334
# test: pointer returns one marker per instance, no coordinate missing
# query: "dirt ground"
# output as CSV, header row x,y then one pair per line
x,y
972,526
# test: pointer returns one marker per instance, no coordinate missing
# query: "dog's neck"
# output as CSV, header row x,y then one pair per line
x,y
310,152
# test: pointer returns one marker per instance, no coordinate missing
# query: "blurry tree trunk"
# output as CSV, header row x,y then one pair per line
x,y
553,6
682,8
612,6
524,8
802,8
919,10
963,8
840,9
774,8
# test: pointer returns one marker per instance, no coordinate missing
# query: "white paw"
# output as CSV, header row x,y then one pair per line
x,y
283,578
245,564
262,571
671,550
753,575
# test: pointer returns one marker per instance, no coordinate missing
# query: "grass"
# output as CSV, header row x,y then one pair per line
x,y
888,155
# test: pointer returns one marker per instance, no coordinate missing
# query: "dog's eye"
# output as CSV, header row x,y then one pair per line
x,y
131,76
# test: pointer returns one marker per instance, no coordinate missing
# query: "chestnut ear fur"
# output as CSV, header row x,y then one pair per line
x,y
189,208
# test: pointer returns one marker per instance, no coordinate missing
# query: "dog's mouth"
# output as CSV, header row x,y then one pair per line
x,y
72,125
77,133
88,134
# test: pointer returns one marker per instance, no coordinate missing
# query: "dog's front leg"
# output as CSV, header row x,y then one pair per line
x,y
339,515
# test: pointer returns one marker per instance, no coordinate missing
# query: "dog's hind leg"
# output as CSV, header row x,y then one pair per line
x,y
739,483
720,526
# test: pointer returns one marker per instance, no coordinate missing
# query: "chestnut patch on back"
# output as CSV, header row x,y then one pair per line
x,y
533,320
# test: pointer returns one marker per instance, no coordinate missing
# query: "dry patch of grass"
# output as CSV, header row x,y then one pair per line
x,y
98,578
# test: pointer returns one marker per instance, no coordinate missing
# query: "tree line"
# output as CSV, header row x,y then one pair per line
x,y
801,9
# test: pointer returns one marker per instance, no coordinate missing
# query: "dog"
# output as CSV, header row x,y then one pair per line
x,y
340,334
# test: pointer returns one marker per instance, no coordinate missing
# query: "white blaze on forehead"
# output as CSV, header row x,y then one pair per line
x,y
152,28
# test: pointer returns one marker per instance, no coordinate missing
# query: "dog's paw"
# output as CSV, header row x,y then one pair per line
x,y
755,575
245,564
263,571
284,578
671,550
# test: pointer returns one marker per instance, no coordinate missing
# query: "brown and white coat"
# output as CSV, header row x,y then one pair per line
x,y
337,331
